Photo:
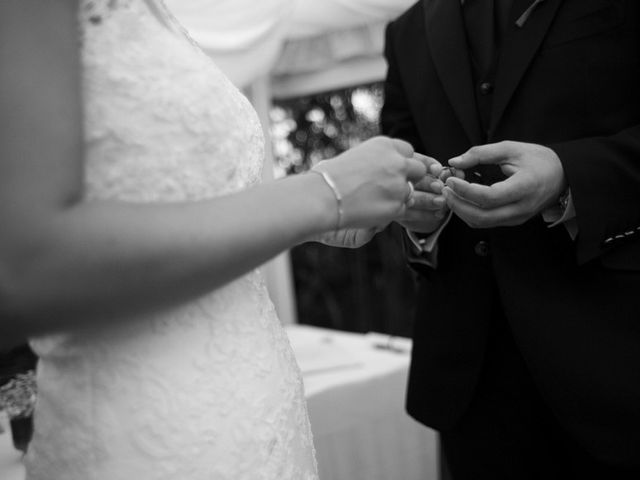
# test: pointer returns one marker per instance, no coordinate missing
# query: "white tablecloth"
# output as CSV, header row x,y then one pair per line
x,y
355,394
10,459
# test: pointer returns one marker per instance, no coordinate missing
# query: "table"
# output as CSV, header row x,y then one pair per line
x,y
11,467
355,392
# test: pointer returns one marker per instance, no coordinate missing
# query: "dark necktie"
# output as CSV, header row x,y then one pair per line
x,y
485,22
478,20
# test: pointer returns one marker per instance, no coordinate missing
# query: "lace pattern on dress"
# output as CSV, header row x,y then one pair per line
x,y
96,11
207,390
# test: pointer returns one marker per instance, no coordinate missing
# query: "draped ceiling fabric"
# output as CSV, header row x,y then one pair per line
x,y
252,38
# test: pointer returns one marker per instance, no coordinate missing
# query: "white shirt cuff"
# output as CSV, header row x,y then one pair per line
x,y
557,215
426,248
429,243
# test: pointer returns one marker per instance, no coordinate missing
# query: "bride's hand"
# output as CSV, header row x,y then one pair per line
x,y
372,181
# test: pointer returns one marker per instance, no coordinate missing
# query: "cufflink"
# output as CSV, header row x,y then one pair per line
x,y
563,201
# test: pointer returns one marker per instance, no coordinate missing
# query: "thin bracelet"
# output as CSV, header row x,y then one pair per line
x,y
334,188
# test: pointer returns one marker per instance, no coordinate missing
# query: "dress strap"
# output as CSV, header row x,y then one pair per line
x,y
158,9
164,16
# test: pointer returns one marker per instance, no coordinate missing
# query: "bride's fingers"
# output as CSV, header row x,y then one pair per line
x,y
403,148
429,162
427,201
429,184
416,170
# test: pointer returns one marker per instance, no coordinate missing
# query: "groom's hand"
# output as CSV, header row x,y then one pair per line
x,y
535,180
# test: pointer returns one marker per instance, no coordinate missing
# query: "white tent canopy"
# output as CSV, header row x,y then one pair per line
x,y
249,39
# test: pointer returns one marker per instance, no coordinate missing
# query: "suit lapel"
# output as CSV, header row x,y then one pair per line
x,y
518,49
448,48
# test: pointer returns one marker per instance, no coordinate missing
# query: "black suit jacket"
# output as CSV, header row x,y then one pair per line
x,y
569,78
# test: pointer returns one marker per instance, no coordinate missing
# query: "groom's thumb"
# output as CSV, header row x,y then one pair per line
x,y
490,154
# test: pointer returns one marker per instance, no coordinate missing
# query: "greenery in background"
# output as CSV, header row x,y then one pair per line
x,y
310,129
369,289
18,395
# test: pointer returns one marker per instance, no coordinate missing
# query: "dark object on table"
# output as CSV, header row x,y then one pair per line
x,y
21,432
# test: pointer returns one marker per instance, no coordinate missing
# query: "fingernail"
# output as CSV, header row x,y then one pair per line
x,y
439,201
447,191
436,186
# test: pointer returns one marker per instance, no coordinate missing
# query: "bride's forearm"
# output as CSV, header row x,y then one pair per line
x,y
98,261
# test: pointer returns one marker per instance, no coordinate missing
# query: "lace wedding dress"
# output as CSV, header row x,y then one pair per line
x,y
209,390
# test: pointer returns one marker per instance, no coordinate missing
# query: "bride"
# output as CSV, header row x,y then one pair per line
x,y
132,225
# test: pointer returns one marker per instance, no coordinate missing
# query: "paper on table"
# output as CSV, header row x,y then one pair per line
x,y
389,342
320,353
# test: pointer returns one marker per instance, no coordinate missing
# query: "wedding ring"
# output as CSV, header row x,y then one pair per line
x,y
446,173
410,194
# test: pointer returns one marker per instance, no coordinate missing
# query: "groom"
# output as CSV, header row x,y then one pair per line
x,y
527,334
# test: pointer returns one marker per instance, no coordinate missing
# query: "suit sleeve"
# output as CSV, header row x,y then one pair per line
x,y
603,172
604,176
396,119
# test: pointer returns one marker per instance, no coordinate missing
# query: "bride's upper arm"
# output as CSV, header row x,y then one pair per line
x,y
41,146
